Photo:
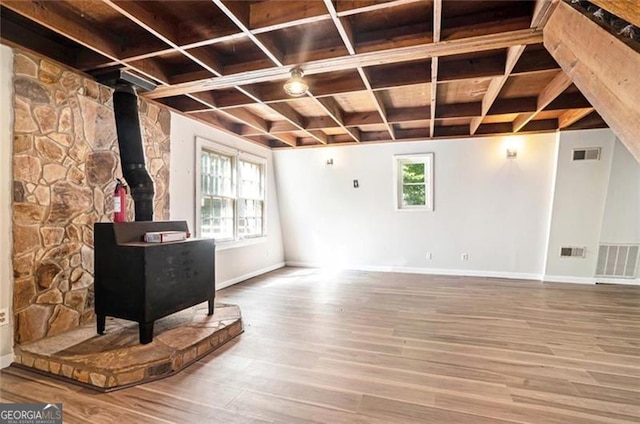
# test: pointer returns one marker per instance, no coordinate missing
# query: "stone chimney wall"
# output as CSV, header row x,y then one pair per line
x,y
65,161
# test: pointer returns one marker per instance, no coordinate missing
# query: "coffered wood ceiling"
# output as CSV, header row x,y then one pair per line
x,y
377,70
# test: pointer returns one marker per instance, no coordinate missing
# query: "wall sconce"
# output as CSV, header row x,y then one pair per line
x,y
512,145
329,161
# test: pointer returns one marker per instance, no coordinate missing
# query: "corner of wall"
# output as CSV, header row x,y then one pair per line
x,y
579,197
6,276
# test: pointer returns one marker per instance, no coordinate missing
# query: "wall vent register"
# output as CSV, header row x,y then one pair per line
x,y
592,153
618,260
573,252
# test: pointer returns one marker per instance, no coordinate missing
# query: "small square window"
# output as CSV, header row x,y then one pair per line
x,y
414,182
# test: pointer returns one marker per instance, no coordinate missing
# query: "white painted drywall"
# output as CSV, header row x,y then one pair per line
x,y
621,222
579,203
493,208
236,264
6,274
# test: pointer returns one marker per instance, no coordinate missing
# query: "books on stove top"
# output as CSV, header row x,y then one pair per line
x,y
165,236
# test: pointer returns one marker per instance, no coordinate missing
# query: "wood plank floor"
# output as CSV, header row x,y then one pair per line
x,y
361,347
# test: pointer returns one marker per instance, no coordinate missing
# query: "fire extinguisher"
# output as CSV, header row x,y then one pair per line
x,y
120,202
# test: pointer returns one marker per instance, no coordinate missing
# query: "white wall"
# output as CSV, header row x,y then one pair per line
x,y
6,274
493,208
578,206
236,264
621,222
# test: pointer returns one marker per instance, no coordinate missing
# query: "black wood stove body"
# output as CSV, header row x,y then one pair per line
x,y
143,282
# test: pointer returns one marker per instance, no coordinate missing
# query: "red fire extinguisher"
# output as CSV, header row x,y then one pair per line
x,y
120,202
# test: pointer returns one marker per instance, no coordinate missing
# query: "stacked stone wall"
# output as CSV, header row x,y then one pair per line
x,y
65,162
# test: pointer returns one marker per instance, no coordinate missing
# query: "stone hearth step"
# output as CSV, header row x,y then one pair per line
x,y
116,359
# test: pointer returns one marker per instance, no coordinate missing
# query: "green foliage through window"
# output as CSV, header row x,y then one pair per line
x,y
413,184
414,181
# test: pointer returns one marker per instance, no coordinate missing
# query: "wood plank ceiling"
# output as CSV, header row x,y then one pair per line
x,y
377,70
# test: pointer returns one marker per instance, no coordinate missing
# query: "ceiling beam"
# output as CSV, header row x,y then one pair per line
x,y
154,23
293,117
382,110
163,30
572,116
629,10
603,67
230,8
557,85
50,15
347,36
403,54
15,35
266,17
495,86
350,7
53,17
298,120
437,23
334,110
541,12
249,118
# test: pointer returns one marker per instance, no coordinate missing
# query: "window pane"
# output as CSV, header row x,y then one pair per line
x,y
251,177
413,172
232,194
413,195
216,174
250,218
216,217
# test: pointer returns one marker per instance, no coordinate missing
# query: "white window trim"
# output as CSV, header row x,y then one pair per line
x,y
427,159
204,144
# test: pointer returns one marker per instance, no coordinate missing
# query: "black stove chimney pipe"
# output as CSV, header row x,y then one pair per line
x,y
125,107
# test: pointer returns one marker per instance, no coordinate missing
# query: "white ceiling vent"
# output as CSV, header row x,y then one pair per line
x,y
620,260
592,153
573,252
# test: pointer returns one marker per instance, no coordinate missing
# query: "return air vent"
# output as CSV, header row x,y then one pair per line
x,y
592,153
573,252
618,260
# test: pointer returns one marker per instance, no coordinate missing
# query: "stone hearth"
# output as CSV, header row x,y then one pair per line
x,y
117,360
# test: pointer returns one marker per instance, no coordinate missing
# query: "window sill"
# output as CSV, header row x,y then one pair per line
x,y
414,210
226,245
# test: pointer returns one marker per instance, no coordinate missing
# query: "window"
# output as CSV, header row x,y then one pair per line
x,y
414,182
231,193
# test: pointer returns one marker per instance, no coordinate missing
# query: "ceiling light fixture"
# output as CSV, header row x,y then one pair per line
x,y
296,86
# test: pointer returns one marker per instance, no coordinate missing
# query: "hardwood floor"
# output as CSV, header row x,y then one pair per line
x,y
360,347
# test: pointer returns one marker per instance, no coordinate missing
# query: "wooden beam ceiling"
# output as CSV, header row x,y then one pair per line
x,y
377,70
542,11
612,86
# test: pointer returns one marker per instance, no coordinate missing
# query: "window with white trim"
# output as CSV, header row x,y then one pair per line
x,y
230,192
414,182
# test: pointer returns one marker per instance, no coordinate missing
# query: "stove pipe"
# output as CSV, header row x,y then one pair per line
x,y
125,107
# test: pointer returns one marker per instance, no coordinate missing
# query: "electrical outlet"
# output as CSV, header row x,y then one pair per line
x,y
428,256
465,257
4,316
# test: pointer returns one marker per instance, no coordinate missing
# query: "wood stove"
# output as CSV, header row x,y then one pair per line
x,y
143,282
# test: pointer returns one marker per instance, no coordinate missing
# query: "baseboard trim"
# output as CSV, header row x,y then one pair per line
x,y
589,280
6,360
568,279
248,275
429,271
629,282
